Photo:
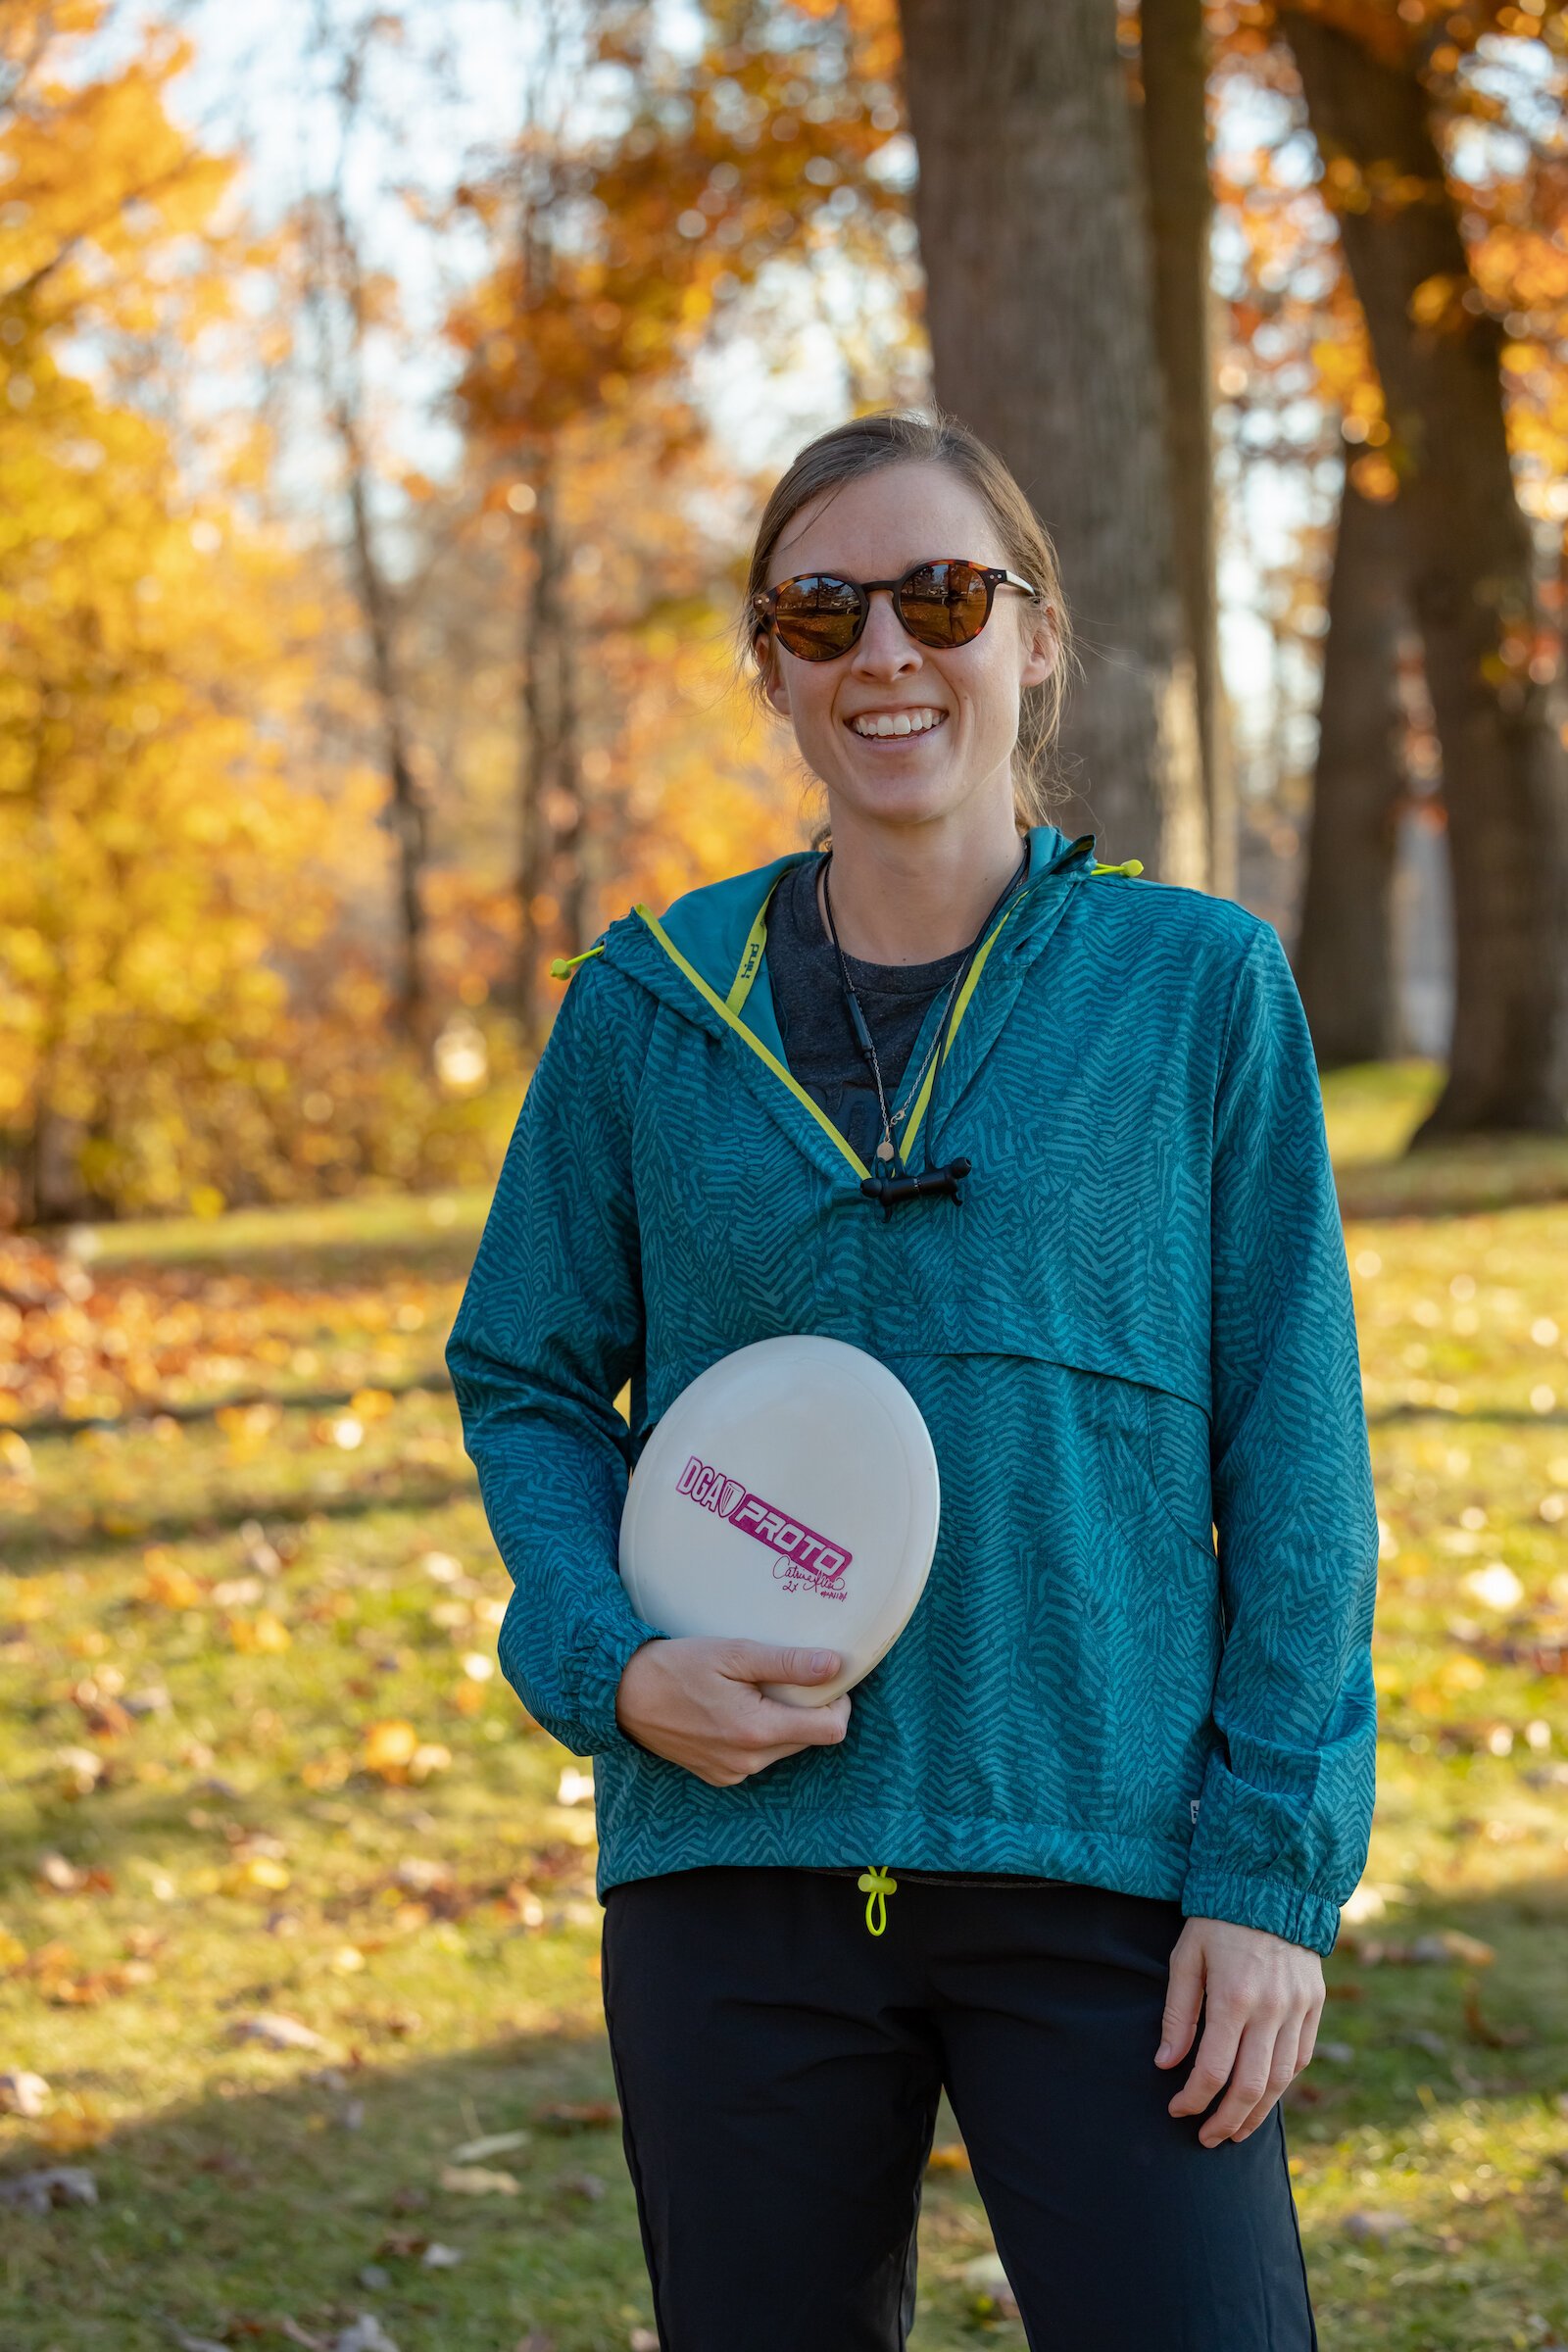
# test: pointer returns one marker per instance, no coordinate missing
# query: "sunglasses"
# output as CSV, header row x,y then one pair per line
x,y
816,615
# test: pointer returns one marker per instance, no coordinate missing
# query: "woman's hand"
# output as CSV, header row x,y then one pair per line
x,y
1262,1997
697,1703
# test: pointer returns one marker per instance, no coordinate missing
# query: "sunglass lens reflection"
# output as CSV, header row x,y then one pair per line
x,y
818,616
943,604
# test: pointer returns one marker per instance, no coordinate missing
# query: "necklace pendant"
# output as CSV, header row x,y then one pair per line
x,y
884,1150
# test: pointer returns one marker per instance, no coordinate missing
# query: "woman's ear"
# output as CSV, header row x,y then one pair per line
x,y
762,647
1041,647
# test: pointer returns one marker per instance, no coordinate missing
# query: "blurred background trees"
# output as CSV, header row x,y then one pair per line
x,y
383,414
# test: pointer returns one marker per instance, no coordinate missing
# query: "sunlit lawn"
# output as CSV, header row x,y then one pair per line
x,y
256,1763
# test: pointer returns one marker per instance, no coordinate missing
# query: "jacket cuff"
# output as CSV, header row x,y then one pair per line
x,y
593,1680
1277,1905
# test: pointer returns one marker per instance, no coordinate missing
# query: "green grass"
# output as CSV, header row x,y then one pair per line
x,y
265,1593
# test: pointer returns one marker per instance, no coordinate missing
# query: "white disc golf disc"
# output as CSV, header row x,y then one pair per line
x,y
789,1495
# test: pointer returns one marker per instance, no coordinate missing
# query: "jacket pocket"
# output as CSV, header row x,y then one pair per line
x,y
1177,1444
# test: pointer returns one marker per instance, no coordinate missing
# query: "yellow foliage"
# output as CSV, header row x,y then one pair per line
x,y
152,841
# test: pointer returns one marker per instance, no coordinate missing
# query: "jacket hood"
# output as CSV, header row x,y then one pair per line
x,y
703,956
712,939
711,925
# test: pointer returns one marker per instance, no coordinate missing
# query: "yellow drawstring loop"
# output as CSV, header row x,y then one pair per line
x,y
876,1886
1129,865
562,964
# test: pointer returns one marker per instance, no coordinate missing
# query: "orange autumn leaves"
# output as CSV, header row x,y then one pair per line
x,y
79,1344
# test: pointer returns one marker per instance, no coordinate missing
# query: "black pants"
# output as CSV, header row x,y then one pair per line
x,y
779,2071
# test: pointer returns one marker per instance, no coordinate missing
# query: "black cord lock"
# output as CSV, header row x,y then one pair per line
x,y
892,1191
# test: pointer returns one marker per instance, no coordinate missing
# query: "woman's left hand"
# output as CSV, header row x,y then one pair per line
x,y
1261,1998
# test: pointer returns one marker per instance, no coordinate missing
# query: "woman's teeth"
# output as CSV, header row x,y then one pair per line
x,y
901,722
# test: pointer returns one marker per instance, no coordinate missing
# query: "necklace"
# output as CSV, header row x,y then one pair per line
x,y
887,1148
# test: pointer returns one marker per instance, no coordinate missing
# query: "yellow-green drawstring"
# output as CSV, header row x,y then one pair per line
x,y
562,964
1129,865
876,1886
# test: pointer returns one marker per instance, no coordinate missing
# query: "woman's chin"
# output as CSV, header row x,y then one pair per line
x,y
906,797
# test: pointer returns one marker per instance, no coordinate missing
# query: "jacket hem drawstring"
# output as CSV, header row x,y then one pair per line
x,y
876,1885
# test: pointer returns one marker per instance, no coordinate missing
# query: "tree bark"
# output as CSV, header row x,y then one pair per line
x,y
1472,586
406,809
1033,235
1175,138
549,768
1344,959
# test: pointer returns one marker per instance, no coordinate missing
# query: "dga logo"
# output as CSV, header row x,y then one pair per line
x,y
804,1558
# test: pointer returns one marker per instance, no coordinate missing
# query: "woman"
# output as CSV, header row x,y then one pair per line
x,y
1111,1775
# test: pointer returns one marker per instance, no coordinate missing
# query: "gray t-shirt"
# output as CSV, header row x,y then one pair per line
x,y
820,1042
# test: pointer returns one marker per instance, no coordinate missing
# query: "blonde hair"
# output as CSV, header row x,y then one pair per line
x,y
916,436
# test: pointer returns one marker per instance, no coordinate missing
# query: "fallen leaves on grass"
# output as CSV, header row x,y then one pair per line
x,y
365,2333
264,1632
1494,2037
987,2282
1447,1943
58,1975
393,1750
579,2115
1378,2224
166,1584
476,2180
63,1876
53,2185
118,1342
22,2093
80,1771
492,2143
586,2185
277,2032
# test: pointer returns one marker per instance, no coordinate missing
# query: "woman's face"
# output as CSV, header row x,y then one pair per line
x,y
873,529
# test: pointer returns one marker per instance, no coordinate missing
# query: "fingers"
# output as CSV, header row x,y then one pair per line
x,y
697,1704
1280,2072
1247,2076
769,1732
1216,2055
765,1662
1262,1997
791,1728
1183,2000
1294,2041
1252,2063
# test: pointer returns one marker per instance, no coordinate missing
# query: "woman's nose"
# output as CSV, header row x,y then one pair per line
x,y
885,648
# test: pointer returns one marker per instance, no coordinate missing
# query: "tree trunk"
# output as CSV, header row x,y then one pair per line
x,y
550,777
1033,237
1343,961
406,811
1471,584
1175,127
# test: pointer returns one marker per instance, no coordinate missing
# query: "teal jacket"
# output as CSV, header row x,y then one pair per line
x,y
1142,1658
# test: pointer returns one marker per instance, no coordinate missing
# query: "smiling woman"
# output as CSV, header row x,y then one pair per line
x,y
1112,1772
925,690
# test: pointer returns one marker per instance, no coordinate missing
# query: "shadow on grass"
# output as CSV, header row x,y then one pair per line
x,y
40,1543
231,2215
292,1401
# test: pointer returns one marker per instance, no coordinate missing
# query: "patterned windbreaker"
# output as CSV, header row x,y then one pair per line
x,y
1142,1659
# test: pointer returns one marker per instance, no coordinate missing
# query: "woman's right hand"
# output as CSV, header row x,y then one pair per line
x,y
697,1703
